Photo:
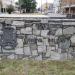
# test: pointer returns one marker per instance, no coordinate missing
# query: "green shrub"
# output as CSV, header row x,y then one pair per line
x,y
10,9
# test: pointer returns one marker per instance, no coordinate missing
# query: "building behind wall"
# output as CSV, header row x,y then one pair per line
x,y
4,4
68,6
56,5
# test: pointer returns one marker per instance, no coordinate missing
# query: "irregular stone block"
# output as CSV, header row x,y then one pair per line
x,y
69,31
41,49
27,51
44,33
38,57
30,40
42,26
49,48
18,23
8,51
55,55
20,43
44,21
46,42
56,46
33,47
19,51
27,30
34,27
58,32
0,26
11,56
40,41
48,54
18,32
63,56
59,50
73,40
34,53
36,32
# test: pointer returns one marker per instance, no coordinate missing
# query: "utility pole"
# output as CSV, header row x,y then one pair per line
x,y
46,6
20,6
69,6
41,6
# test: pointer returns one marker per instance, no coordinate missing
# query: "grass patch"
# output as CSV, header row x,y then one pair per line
x,y
29,67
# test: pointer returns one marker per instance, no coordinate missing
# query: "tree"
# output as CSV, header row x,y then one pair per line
x,y
28,5
10,9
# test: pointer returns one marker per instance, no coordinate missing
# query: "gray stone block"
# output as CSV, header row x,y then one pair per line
x,y
27,51
19,51
30,40
12,56
36,32
38,58
33,47
27,30
63,56
8,51
44,33
41,49
40,41
46,42
18,32
44,21
34,53
18,23
19,43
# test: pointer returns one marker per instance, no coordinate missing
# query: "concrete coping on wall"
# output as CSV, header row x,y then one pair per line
x,y
23,15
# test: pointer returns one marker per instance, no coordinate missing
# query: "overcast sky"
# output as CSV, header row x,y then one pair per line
x,y
43,1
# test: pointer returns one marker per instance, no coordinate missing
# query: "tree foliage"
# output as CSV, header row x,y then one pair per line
x,y
28,5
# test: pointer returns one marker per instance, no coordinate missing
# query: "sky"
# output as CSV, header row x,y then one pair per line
x,y
43,1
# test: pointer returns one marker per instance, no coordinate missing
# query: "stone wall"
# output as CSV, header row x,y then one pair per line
x,y
37,38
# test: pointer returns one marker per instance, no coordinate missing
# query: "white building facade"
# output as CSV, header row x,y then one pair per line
x,y
5,4
56,5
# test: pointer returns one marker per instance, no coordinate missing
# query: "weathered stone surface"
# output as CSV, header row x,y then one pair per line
x,y
18,32
36,32
34,53
12,56
20,43
73,40
8,51
44,33
18,23
40,41
30,40
49,48
19,51
38,57
27,30
33,47
59,32
55,55
46,42
41,49
27,51
63,56
0,26
69,31
44,21
48,53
